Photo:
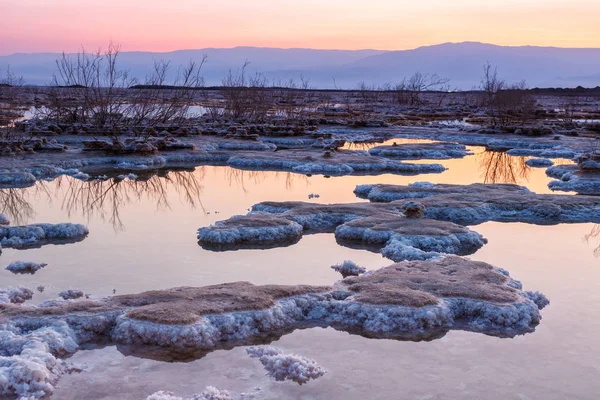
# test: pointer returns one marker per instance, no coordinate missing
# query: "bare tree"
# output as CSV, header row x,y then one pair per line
x,y
163,101
245,96
88,87
506,104
410,90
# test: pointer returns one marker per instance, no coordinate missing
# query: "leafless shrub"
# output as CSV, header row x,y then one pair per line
x,y
160,101
90,88
506,104
410,90
567,112
291,100
10,86
245,97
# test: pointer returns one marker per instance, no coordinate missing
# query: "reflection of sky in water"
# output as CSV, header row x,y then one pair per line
x,y
143,236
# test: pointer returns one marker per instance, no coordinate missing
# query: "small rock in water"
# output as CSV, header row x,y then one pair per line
x,y
41,288
349,268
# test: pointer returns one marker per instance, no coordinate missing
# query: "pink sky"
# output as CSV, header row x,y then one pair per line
x,y
154,25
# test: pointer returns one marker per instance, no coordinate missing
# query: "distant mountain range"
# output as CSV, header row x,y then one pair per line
x,y
461,62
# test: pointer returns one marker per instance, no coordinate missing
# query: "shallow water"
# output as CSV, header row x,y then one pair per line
x,y
143,236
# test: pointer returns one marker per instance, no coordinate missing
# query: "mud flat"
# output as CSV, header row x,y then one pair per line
x,y
406,301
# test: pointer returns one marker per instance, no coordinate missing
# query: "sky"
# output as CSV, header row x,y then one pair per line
x,y
164,25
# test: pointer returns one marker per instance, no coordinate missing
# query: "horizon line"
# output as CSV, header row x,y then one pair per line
x,y
315,49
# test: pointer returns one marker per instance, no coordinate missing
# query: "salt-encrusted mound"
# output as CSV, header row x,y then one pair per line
x,y
342,162
572,178
187,305
286,366
249,230
478,203
416,151
36,235
539,162
15,295
556,152
209,393
409,301
16,179
409,238
29,358
71,294
385,193
246,145
366,224
4,220
349,268
24,267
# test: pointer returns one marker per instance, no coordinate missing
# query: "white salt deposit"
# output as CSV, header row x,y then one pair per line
x,y
24,267
349,268
286,366
71,294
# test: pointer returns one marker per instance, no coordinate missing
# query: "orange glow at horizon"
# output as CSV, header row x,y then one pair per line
x,y
154,25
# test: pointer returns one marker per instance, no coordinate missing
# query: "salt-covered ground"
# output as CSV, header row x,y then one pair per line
x,y
476,203
309,154
415,151
570,178
314,155
37,235
389,228
410,301
428,368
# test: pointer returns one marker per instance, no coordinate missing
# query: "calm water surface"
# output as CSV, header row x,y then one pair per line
x,y
143,236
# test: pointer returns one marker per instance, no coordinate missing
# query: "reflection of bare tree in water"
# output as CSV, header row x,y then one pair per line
x,y
240,177
105,198
16,202
499,167
594,234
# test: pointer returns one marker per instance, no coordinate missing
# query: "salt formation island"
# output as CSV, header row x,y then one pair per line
x,y
283,367
389,230
316,154
418,151
477,203
37,235
539,162
25,267
582,178
418,300
209,393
